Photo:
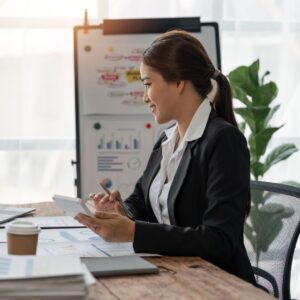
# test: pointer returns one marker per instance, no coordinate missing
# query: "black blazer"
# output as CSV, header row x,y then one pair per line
x,y
207,201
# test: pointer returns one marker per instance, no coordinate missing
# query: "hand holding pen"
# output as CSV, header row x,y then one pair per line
x,y
111,220
117,198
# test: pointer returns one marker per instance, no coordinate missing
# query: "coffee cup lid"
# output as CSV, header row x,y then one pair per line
x,y
22,227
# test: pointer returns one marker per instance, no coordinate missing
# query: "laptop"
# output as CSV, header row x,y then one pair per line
x,y
9,213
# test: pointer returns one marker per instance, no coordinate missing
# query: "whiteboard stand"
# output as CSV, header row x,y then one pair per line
x,y
115,131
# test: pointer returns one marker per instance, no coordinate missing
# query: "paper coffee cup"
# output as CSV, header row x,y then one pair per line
x,y
22,237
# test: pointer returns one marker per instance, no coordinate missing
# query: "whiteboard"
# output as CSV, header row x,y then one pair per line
x,y
115,131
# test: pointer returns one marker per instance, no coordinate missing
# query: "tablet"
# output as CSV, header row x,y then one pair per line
x,y
72,206
119,265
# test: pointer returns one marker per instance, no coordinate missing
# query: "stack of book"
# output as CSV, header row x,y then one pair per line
x,y
40,277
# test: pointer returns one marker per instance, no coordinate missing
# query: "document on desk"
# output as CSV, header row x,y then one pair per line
x,y
78,241
56,222
68,235
86,249
53,222
61,235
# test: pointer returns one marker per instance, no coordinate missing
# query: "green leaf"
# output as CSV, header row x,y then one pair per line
x,y
255,117
272,214
240,78
260,114
277,208
258,141
247,115
270,115
278,154
265,94
267,223
257,197
239,94
268,235
253,72
271,208
257,169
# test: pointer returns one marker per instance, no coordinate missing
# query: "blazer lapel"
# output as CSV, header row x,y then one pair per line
x,y
152,169
178,181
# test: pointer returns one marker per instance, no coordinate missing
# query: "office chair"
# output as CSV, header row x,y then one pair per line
x,y
271,232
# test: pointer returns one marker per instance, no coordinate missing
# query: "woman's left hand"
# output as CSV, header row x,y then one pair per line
x,y
111,227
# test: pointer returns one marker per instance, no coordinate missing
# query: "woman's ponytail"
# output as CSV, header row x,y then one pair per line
x,y
223,98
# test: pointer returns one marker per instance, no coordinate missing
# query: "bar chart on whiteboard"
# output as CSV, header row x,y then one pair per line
x,y
122,139
118,151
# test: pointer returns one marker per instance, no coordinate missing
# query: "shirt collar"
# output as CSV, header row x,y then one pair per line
x,y
197,125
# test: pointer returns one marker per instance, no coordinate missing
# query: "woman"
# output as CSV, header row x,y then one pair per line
x,y
193,196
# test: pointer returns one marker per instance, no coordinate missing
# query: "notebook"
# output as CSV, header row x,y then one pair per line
x,y
9,213
118,265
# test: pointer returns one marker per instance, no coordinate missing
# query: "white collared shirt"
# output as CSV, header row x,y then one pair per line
x,y
161,184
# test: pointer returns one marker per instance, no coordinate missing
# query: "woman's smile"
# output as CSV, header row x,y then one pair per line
x,y
153,108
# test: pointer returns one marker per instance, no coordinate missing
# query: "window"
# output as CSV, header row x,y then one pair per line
x,y
37,126
37,119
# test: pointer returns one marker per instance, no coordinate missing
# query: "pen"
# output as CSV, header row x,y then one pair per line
x,y
103,185
105,188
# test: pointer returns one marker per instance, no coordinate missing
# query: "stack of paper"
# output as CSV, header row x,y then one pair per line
x,y
40,277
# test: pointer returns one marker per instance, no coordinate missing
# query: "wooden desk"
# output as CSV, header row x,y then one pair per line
x,y
179,278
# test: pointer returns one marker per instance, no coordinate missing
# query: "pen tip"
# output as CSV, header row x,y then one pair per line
x,y
106,182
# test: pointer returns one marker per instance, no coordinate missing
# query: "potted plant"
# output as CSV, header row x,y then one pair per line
x,y
256,96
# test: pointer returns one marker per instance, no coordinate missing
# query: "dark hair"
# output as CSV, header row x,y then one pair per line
x,y
178,55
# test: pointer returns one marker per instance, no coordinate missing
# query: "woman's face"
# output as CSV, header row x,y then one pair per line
x,y
160,95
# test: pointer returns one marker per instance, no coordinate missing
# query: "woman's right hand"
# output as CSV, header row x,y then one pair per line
x,y
109,203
